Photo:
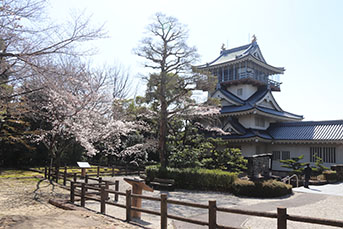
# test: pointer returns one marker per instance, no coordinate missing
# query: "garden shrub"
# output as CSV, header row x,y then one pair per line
x,y
264,189
330,175
243,187
194,178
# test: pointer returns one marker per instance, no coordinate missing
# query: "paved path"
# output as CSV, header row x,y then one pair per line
x,y
303,202
235,220
328,189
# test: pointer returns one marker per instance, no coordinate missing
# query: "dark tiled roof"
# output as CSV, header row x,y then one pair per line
x,y
232,109
258,95
231,96
279,113
321,130
250,133
250,104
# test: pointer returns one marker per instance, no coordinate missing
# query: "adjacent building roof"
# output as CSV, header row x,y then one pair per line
x,y
309,131
320,130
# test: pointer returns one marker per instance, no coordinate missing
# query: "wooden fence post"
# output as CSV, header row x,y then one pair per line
x,y
100,180
112,171
65,176
83,193
128,205
116,188
86,181
107,186
72,192
57,173
103,199
282,218
49,173
164,209
75,177
212,214
45,172
98,171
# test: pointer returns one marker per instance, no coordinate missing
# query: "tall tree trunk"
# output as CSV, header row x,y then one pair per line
x,y
162,146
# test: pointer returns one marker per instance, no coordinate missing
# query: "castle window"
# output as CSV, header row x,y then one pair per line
x,y
327,154
286,155
276,155
259,122
240,91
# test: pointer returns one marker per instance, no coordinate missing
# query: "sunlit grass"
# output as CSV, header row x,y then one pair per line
x,y
13,173
74,169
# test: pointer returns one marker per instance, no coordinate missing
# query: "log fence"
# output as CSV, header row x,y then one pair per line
x,y
281,216
100,192
55,175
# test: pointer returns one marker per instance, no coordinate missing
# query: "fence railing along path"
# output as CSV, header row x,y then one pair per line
x,y
81,189
55,174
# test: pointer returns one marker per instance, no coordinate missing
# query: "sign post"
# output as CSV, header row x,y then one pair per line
x,y
138,186
83,166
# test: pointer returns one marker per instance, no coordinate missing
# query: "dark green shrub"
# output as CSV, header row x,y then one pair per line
x,y
243,187
265,189
194,178
330,175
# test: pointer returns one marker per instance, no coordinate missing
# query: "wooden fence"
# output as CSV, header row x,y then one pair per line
x,y
81,190
55,174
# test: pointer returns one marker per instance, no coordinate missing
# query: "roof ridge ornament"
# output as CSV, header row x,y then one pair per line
x,y
254,39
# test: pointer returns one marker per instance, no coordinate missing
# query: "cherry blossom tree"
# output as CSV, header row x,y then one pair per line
x,y
29,42
76,103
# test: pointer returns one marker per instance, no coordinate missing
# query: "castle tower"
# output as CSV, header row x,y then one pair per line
x,y
255,121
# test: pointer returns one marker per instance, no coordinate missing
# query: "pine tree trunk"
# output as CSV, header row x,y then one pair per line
x,y
163,135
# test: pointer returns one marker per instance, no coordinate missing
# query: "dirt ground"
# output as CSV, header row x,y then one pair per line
x,y
24,204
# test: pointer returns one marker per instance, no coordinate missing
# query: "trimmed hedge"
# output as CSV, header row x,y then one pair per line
x,y
330,175
218,180
264,189
192,178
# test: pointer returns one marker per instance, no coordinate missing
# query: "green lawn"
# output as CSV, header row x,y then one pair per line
x,y
13,173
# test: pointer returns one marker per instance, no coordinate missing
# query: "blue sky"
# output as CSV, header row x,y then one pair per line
x,y
303,36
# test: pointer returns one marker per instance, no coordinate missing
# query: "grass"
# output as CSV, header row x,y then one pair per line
x,y
13,173
74,169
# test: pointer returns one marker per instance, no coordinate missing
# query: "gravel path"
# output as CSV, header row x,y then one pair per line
x,y
304,204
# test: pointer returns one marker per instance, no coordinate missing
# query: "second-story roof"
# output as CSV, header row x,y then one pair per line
x,y
251,105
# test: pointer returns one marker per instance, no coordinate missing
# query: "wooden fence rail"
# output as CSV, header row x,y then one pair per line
x,y
51,173
281,216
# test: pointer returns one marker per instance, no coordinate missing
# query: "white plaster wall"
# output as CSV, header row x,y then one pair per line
x,y
302,149
266,104
248,149
248,121
225,103
248,90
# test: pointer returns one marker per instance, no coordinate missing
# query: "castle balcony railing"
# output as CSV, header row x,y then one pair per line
x,y
252,78
274,84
